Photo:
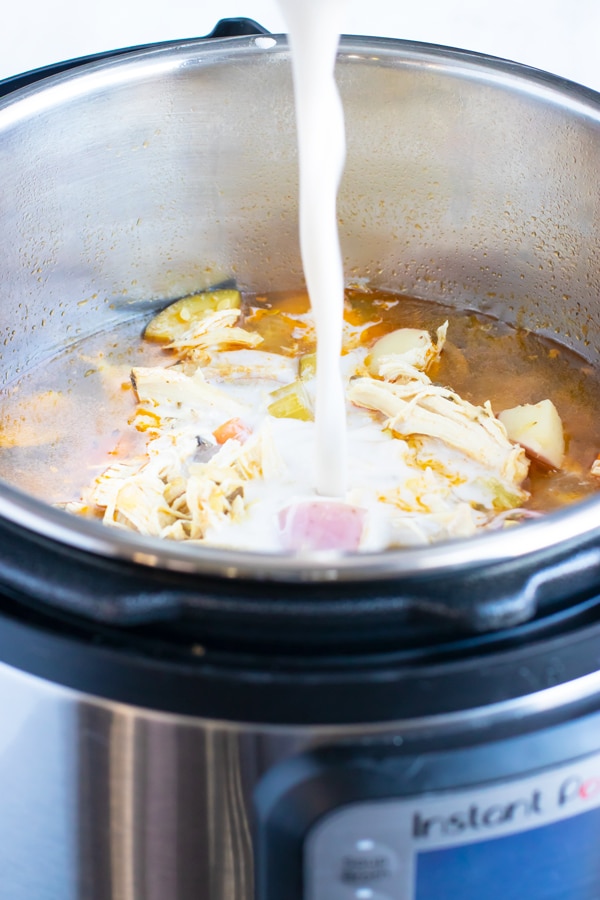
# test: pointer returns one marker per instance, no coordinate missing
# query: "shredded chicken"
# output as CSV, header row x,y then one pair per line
x,y
167,396
215,329
432,466
421,408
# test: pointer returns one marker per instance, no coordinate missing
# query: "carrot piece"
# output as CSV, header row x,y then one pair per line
x,y
232,429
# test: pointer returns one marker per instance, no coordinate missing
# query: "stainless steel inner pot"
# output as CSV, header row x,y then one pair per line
x,y
136,180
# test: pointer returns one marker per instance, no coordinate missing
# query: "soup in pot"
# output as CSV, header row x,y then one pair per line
x,y
202,429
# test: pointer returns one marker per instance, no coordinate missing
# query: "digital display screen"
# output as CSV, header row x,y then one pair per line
x,y
559,861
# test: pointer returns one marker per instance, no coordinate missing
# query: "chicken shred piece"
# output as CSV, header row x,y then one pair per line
x,y
216,329
418,408
175,395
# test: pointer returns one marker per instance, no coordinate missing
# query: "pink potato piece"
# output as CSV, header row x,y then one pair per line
x,y
321,525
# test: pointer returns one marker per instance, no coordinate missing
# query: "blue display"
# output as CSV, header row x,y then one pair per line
x,y
560,861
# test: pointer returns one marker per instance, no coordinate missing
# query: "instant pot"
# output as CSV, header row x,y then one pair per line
x,y
200,724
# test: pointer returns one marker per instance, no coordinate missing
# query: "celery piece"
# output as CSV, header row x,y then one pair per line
x,y
307,366
175,319
291,402
503,496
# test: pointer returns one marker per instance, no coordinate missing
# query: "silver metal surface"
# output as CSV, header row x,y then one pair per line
x,y
104,801
139,179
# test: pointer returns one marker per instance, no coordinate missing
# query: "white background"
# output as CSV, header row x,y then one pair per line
x,y
561,36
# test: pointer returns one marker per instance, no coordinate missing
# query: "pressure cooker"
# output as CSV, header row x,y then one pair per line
x,y
182,722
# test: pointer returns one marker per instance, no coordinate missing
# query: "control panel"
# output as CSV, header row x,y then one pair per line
x,y
533,838
374,824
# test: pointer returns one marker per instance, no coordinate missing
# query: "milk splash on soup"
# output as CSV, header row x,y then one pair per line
x,y
314,30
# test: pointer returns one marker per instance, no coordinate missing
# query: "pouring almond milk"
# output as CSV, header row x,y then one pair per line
x,y
314,30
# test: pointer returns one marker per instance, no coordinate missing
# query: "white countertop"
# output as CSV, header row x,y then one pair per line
x,y
560,36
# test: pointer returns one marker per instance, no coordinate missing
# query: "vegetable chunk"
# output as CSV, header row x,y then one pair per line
x,y
405,353
173,321
321,525
291,402
538,429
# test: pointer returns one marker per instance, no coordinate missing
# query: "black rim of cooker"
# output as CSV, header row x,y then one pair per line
x,y
151,667
240,612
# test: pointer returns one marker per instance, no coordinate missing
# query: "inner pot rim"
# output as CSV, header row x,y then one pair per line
x,y
568,529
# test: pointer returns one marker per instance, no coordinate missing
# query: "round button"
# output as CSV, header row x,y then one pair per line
x,y
367,861
368,894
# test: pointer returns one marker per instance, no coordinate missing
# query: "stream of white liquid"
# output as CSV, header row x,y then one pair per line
x,y
314,30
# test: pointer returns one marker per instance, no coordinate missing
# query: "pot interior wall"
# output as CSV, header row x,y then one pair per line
x,y
145,178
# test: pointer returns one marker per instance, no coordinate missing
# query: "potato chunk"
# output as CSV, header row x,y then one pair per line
x,y
405,353
173,321
538,429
